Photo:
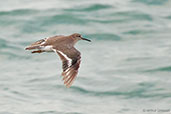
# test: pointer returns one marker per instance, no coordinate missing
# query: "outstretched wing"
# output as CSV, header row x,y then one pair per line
x,y
71,59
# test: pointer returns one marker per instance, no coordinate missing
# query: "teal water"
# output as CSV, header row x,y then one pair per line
x,y
125,70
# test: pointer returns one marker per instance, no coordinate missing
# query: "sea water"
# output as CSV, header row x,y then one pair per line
x,y
126,69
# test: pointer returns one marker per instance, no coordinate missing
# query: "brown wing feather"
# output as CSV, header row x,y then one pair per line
x,y
70,75
71,60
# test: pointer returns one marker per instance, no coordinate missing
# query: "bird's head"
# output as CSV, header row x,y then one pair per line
x,y
78,37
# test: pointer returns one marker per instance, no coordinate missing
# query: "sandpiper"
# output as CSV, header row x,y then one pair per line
x,y
64,47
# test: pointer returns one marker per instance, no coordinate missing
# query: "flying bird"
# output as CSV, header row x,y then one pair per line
x,y
64,47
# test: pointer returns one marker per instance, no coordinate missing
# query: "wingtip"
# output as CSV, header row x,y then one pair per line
x,y
69,78
67,86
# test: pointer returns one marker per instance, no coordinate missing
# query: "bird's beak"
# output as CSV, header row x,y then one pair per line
x,y
85,39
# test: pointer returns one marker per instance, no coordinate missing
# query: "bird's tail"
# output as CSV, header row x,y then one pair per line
x,y
35,45
32,47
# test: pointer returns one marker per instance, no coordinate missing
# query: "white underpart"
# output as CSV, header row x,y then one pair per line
x,y
42,43
47,48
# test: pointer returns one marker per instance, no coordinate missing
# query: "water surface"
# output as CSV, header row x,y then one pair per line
x,y
125,70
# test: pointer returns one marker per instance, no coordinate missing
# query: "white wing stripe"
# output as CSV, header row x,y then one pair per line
x,y
66,57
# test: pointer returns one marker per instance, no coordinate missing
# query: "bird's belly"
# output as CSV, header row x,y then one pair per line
x,y
47,48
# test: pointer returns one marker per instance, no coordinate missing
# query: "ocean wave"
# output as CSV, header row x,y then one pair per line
x,y
104,36
12,50
19,12
151,2
138,32
139,92
94,7
133,15
161,69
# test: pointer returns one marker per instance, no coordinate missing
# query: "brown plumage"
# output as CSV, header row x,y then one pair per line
x,y
64,47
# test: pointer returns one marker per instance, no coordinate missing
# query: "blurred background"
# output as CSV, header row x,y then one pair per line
x,y
125,70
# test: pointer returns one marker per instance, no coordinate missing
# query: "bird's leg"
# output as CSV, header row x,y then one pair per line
x,y
38,51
